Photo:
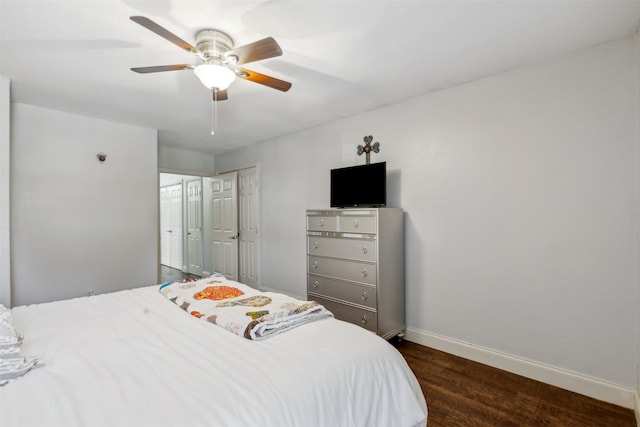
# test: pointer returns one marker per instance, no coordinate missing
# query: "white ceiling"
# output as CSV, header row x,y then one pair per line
x,y
343,57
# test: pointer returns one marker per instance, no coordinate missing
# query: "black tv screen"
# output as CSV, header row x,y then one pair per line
x,y
359,186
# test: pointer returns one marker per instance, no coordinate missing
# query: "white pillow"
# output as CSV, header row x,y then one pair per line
x,y
12,364
9,336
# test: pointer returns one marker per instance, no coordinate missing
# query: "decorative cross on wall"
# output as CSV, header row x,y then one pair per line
x,y
367,148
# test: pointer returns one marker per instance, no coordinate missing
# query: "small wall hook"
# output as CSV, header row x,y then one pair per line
x,y
102,157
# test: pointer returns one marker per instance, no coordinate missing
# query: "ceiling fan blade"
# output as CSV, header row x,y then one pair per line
x,y
158,68
219,95
163,32
262,49
263,79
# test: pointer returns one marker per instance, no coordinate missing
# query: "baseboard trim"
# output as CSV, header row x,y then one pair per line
x,y
637,408
592,387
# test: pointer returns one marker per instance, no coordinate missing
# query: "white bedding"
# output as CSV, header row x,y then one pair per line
x,y
133,358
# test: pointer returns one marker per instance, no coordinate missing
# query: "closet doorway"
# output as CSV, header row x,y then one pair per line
x,y
171,226
180,226
210,225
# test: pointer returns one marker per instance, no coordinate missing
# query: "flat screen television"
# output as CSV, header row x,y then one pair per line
x,y
359,186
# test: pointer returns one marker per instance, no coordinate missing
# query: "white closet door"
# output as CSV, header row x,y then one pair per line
x,y
194,226
248,228
165,226
175,220
224,225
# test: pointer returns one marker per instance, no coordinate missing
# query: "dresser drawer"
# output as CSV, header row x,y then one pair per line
x,y
345,291
358,316
341,269
358,224
322,223
356,249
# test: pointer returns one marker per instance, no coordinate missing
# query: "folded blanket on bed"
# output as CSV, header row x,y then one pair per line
x,y
241,309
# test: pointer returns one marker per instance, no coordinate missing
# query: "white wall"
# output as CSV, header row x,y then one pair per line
x,y
637,396
78,225
5,163
520,200
177,160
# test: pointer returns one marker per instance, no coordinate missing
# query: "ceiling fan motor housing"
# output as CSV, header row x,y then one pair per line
x,y
213,44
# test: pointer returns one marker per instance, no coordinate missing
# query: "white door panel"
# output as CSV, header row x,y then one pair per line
x,y
175,221
165,226
171,226
224,225
194,226
248,229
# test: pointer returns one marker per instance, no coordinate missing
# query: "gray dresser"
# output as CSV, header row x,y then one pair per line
x,y
355,266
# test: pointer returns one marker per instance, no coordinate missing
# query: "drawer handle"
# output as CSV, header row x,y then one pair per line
x,y
355,223
315,264
364,295
364,272
315,245
364,250
364,319
315,284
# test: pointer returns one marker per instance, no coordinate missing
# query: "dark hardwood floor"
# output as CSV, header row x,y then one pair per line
x,y
168,274
460,392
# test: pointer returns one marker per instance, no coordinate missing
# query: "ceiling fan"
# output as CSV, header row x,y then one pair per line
x,y
220,60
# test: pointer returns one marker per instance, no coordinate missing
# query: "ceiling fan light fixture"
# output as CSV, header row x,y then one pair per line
x,y
214,75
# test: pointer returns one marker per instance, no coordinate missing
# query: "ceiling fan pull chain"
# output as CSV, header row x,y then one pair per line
x,y
215,115
214,112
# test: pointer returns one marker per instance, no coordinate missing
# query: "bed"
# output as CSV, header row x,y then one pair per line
x,y
136,358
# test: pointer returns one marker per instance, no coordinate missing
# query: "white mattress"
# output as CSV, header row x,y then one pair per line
x,y
133,358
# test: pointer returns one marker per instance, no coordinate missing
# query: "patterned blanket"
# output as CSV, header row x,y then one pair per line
x,y
241,309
